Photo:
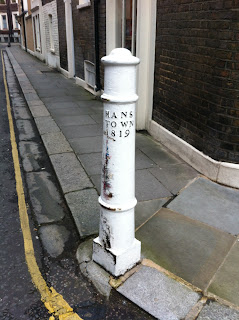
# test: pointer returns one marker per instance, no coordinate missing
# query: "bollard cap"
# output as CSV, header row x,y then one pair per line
x,y
120,56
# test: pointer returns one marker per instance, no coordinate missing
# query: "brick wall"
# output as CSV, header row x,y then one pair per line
x,y
196,90
62,34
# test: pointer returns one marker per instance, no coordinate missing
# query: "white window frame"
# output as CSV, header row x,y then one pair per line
x,y
14,21
2,15
36,24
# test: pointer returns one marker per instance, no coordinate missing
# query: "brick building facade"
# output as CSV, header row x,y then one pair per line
x,y
196,87
4,21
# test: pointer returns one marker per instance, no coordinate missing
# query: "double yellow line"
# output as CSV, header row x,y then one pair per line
x,y
57,307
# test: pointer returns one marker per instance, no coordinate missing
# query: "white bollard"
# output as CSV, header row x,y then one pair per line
x,y
116,248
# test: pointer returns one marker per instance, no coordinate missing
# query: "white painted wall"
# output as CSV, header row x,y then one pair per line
x,y
52,53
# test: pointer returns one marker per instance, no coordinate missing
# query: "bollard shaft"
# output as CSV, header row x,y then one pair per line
x,y
116,248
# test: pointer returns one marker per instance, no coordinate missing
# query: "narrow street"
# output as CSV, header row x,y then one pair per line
x,y
19,298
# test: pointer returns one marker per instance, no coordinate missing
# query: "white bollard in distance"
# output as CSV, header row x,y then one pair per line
x,y
116,248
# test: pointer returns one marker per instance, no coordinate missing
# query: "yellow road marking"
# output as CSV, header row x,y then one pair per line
x,y
53,301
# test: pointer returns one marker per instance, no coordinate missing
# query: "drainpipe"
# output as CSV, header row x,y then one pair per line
x,y
24,27
9,18
97,51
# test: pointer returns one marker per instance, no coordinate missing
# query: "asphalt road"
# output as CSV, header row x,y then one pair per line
x,y
19,299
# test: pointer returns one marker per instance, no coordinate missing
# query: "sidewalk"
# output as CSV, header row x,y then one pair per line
x,y
188,225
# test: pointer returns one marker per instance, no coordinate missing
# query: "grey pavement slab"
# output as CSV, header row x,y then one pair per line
x,y
96,179
175,177
226,281
55,142
39,111
158,294
95,104
54,238
92,162
216,311
70,173
46,125
142,161
45,198
30,96
25,129
98,118
70,111
31,154
33,103
147,187
74,120
160,155
86,144
65,105
77,131
146,209
187,248
85,210
50,92
210,203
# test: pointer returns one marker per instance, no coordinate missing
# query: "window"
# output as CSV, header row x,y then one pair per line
x,y
51,33
2,2
37,34
4,21
16,22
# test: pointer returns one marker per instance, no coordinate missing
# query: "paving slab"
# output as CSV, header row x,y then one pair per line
x,y
25,129
92,162
216,311
98,117
61,105
210,203
55,142
74,120
147,187
160,155
70,111
144,210
158,294
85,210
31,154
76,131
39,111
45,198
54,238
86,144
70,173
142,161
46,125
33,103
226,282
187,248
175,177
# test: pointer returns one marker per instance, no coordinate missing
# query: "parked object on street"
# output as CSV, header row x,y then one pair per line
x,y
116,248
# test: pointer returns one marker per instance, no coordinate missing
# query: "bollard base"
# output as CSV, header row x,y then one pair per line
x,y
116,263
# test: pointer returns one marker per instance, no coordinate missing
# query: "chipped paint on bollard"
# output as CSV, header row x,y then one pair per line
x,y
116,248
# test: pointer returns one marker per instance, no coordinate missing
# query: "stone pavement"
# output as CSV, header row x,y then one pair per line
x,y
188,225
